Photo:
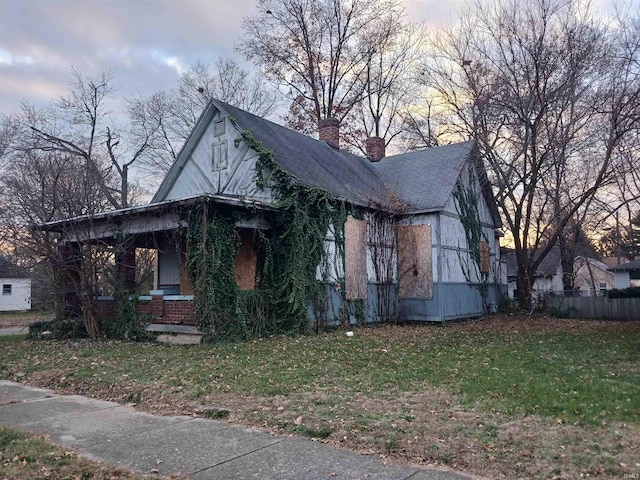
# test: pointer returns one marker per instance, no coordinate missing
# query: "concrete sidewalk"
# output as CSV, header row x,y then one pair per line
x,y
11,331
198,448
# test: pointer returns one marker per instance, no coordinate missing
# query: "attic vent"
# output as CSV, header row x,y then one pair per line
x,y
218,128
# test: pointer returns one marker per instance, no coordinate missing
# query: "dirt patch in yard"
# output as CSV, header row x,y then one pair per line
x,y
22,319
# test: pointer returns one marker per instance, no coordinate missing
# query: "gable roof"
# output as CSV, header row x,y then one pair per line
x,y
632,265
592,261
549,266
422,180
312,162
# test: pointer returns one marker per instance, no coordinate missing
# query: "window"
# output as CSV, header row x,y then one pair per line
x,y
219,154
6,289
218,128
603,285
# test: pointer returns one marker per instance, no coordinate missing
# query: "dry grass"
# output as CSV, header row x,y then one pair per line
x,y
506,398
22,319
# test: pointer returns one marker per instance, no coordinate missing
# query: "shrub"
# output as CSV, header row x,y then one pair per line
x,y
633,292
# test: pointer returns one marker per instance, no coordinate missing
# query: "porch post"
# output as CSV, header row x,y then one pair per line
x,y
126,265
68,303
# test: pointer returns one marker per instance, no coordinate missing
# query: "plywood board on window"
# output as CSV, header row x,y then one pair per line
x,y
186,286
355,246
246,261
485,263
414,261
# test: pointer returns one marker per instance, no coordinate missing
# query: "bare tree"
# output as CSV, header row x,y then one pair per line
x,y
79,126
317,50
39,187
390,84
549,93
166,119
7,133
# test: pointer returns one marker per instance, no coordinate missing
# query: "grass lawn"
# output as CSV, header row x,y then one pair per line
x,y
510,396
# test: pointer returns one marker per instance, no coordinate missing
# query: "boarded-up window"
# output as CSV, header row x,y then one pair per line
x,y
414,261
246,261
219,160
355,246
186,286
484,257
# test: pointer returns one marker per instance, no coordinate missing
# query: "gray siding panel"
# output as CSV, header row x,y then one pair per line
x,y
333,306
450,301
458,300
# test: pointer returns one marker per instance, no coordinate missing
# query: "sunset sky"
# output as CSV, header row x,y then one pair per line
x,y
147,43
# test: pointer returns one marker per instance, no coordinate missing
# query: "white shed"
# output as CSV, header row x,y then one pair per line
x,y
16,294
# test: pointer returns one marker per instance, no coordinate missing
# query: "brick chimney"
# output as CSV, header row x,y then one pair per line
x,y
375,148
329,131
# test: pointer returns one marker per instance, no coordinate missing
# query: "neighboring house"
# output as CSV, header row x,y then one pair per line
x,y
592,276
16,288
437,259
547,277
627,275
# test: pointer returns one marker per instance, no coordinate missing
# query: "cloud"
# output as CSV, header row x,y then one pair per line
x,y
147,43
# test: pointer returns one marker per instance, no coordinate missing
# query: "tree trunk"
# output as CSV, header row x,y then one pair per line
x,y
524,280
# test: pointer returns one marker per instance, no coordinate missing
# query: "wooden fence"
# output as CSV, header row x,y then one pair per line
x,y
598,307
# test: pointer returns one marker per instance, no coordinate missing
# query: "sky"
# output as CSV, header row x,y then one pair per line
x,y
147,43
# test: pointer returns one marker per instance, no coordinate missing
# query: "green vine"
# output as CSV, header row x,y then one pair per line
x,y
212,245
466,201
297,239
289,256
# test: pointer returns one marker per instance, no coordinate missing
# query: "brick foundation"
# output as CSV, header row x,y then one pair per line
x,y
162,309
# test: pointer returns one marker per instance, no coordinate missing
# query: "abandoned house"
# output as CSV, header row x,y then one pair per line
x,y
255,223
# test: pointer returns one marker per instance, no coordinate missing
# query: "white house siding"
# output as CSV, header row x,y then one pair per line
x,y
199,174
622,279
15,294
591,275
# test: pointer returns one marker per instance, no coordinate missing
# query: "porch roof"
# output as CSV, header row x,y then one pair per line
x,y
142,219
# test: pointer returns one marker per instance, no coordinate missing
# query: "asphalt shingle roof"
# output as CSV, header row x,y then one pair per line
x,y
424,179
548,266
312,162
632,265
